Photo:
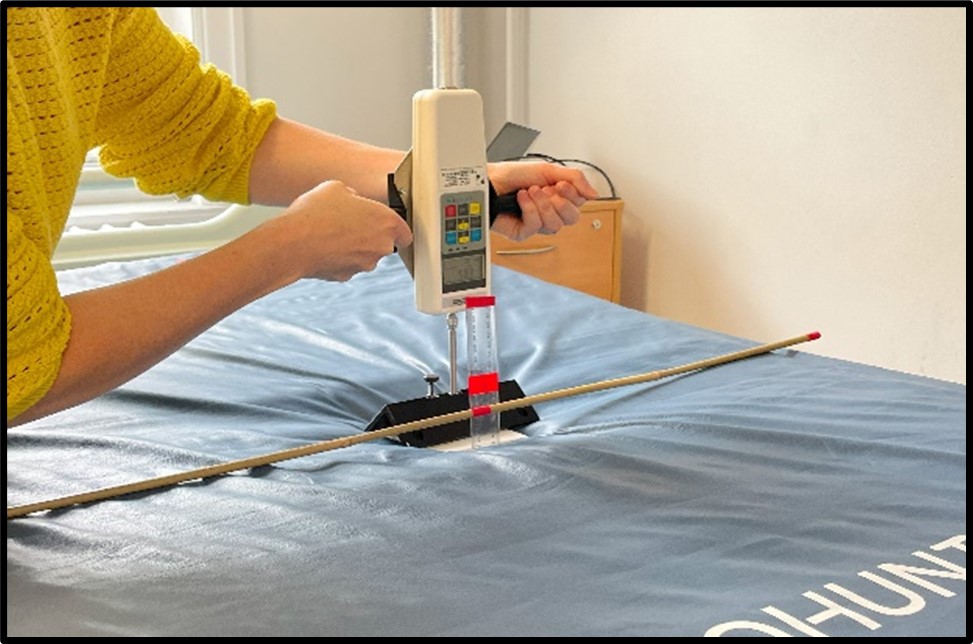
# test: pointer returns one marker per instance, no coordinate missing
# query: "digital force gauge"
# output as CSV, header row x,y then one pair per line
x,y
442,190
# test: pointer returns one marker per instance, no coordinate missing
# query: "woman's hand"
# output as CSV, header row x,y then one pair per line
x,y
549,196
332,233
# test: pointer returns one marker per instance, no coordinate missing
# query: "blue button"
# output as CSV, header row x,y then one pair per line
x,y
476,234
450,238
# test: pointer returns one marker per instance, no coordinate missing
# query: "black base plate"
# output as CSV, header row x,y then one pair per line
x,y
407,411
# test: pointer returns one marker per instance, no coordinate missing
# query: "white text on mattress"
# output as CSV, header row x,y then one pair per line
x,y
839,607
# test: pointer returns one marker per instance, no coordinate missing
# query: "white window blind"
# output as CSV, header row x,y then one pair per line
x,y
105,202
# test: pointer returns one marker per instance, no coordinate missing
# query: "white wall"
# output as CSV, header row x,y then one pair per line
x,y
353,70
348,70
784,169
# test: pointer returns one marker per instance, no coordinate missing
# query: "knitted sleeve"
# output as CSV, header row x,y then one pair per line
x,y
116,78
176,126
38,321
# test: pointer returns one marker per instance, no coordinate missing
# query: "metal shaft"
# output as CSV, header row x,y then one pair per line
x,y
448,66
452,321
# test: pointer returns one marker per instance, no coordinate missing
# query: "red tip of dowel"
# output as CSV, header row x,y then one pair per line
x,y
813,336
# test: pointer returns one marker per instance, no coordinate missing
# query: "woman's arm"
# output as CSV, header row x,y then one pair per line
x,y
121,330
293,158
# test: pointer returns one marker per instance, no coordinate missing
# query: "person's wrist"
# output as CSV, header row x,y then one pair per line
x,y
278,246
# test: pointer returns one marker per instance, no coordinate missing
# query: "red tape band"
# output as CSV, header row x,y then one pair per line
x,y
481,410
483,383
474,301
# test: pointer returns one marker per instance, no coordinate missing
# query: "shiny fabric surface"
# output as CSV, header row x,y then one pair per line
x,y
734,501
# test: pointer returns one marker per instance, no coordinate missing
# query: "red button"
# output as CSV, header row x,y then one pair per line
x,y
450,210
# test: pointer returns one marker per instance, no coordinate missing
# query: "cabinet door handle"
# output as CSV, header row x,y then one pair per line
x,y
527,251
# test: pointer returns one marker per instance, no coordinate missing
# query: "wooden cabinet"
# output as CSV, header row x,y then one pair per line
x,y
586,256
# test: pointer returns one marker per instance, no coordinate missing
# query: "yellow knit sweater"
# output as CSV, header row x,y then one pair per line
x,y
79,78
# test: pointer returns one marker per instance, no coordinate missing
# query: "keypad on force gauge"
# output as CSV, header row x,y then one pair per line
x,y
463,223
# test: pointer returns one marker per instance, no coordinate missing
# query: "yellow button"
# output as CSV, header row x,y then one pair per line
x,y
464,239
463,225
475,208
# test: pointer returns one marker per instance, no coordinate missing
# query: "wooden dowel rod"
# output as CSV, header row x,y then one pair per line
x,y
14,512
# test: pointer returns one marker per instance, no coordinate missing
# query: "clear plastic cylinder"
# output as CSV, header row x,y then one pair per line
x,y
483,381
